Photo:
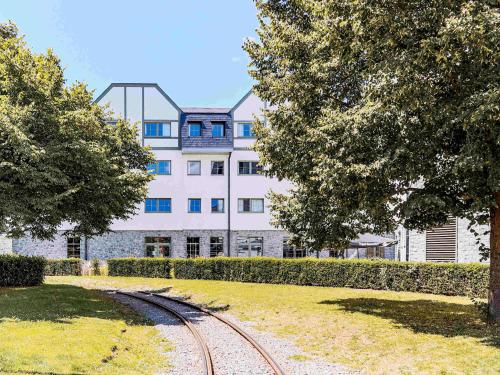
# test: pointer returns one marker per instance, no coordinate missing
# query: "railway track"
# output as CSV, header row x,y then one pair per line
x,y
154,299
205,352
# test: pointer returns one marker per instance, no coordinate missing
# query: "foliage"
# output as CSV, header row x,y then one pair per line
x,y
63,267
19,270
62,329
59,160
145,267
450,279
380,112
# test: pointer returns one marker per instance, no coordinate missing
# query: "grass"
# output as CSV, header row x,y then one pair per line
x,y
380,332
65,329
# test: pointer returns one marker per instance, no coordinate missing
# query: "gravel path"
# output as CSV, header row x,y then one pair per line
x,y
231,354
185,358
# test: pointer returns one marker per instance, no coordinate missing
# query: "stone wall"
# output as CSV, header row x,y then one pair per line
x,y
5,244
54,249
467,248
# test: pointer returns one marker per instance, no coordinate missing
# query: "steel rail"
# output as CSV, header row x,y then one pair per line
x,y
206,357
276,368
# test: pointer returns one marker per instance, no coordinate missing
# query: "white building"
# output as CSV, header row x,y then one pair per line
x,y
209,199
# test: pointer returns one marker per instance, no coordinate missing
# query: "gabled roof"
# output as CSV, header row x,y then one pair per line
x,y
138,84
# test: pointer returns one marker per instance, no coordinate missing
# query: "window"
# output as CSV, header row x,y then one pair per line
x,y
194,167
246,130
73,247
217,168
194,205
218,130
251,205
249,167
250,246
161,167
290,251
156,129
158,205
193,247
217,205
194,129
216,246
157,246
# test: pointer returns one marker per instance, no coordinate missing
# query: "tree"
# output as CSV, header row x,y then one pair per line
x,y
381,112
59,160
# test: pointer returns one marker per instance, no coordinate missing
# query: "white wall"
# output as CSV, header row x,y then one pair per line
x,y
115,99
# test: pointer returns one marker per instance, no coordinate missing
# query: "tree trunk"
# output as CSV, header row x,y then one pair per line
x,y
494,294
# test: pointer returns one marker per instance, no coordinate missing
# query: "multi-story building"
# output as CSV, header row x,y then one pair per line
x,y
207,197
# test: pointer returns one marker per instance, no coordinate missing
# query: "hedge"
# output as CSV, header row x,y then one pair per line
x,y
469,279
19,270
64,267
143,267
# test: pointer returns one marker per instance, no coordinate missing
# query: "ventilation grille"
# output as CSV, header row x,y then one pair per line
x,y
441,243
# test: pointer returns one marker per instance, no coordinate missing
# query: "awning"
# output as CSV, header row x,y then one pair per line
x,y
371,240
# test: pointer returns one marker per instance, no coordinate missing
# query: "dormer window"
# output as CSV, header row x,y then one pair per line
x,y
194,129
218,130
156,129
245,130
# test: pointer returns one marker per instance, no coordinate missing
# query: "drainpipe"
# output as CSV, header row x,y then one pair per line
x,y
229,205
86,247
407,244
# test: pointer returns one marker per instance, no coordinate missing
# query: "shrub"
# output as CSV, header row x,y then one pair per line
x,y
469,279
143,267
64,267
18,270
96,267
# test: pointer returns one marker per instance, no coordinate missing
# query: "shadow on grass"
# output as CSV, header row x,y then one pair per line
x,y
60,303
425,316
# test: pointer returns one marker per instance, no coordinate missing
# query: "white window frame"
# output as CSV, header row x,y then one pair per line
x,y
189,163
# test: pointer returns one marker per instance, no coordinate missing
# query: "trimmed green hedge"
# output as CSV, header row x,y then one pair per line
x,y
64,267
143,267
469,279
19,270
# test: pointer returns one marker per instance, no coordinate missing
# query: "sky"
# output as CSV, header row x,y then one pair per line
x,y
191,48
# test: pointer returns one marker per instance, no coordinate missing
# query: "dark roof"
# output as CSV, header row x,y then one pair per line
x,y
205,110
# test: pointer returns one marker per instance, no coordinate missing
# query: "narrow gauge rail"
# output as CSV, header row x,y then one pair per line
x,y
272,363
206,357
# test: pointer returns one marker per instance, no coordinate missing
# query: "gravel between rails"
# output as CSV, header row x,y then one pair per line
x,y
185,358
231,353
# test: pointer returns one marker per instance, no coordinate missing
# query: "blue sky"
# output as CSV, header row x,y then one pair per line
x,y
191,48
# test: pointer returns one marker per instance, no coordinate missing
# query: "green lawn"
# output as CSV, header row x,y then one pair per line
x,y
65,329
380,332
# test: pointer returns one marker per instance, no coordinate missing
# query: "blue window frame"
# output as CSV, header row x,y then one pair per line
x,y
158,205
194,129
161,167
194,205
217,205
156,129
246,130
218,130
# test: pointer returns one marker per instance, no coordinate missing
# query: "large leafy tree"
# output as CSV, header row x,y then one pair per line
x,y
382,112
59,160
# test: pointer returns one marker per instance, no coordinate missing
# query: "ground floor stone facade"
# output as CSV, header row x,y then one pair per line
x,y
119,244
